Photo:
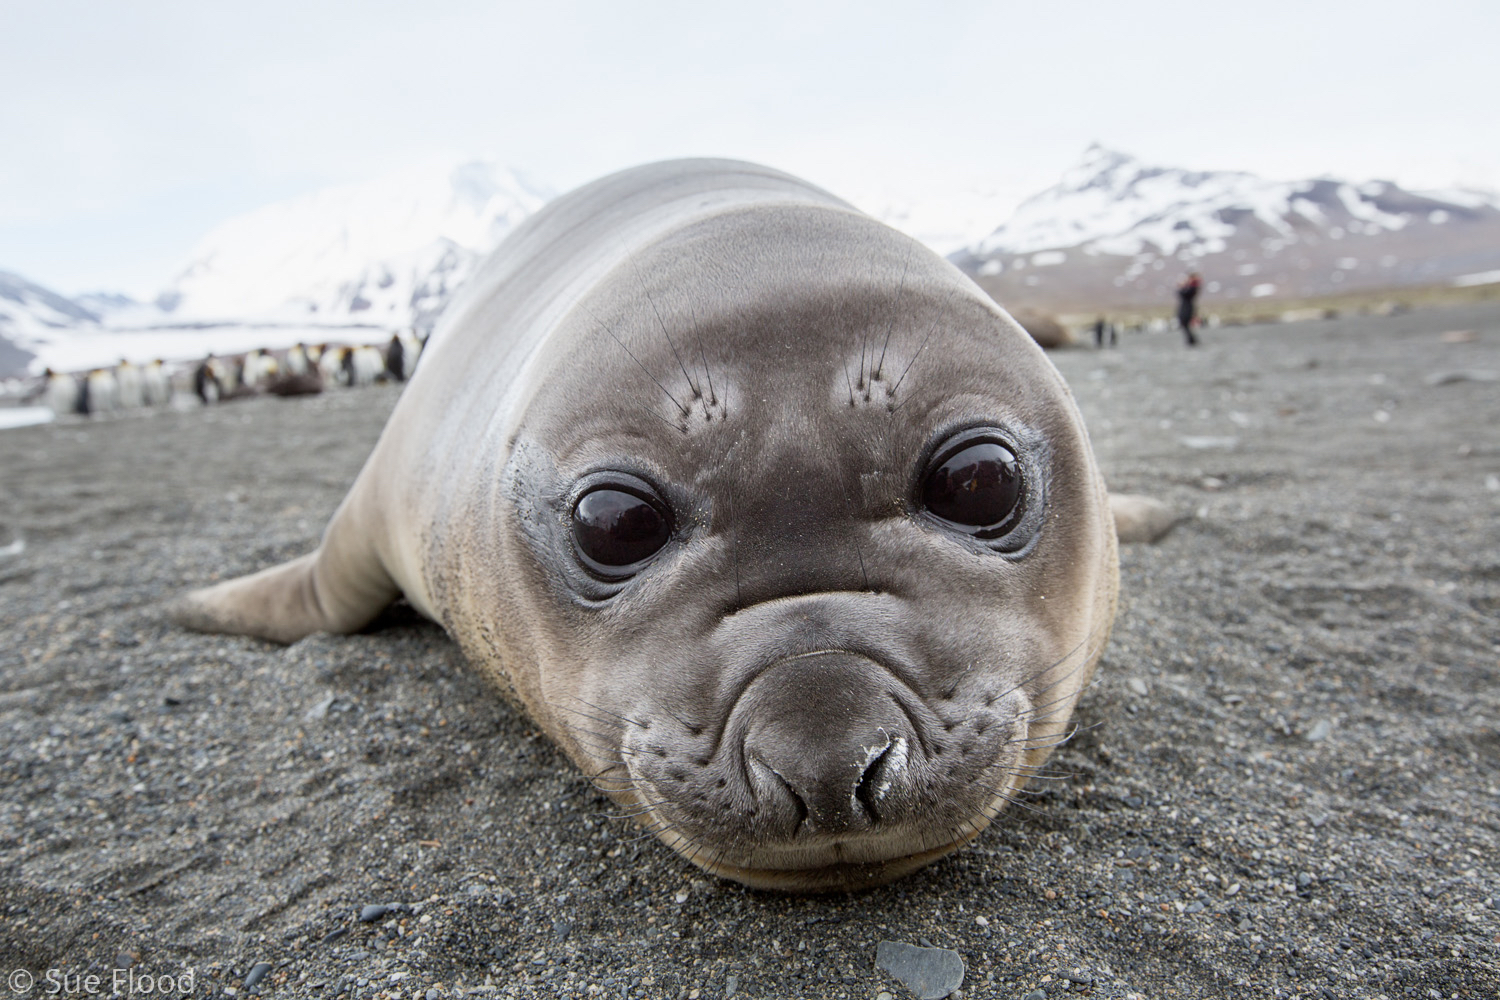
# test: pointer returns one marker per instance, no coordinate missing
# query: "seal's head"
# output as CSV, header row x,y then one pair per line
x,y
808,556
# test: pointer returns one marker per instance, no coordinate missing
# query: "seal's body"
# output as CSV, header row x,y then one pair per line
x,y
764,512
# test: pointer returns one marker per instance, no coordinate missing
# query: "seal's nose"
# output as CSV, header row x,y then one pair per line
x,y
827,744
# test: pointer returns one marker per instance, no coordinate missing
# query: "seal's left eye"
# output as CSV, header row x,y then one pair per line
x,y
614,531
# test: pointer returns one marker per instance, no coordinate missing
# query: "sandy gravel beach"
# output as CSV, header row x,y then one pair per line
x,y
1287,782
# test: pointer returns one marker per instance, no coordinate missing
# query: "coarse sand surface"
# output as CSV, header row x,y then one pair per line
x,y
1286,781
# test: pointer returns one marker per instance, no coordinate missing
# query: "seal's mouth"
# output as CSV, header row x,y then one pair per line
x,y
833,873
830,773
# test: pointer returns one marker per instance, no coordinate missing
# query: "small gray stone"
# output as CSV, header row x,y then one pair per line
x,y
1137,685
1468,375
930,973
1319,731
319,710
1036,994
257,973
373,912
1207,442
731,986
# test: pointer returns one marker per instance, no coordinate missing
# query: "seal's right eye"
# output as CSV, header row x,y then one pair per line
x,y
615,531
974,485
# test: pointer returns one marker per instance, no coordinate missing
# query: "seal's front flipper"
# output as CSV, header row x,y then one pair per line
x,y
1140,519
317,593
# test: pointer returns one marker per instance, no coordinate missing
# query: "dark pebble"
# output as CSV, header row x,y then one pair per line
x,y
1037,994
257,973
373,912
334,935
1134,801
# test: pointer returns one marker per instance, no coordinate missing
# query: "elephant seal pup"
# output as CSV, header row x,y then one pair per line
x,y
766,514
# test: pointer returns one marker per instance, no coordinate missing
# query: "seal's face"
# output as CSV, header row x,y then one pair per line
x,y
818,574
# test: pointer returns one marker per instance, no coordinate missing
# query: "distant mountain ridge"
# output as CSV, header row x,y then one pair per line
x,y
387,253
355,262
348,263
1115,231
30,315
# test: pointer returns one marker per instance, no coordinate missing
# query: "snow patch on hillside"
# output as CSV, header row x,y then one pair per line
x,y
389,252
1113,203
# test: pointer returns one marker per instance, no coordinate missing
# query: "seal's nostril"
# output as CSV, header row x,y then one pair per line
x,y
799,804
882,770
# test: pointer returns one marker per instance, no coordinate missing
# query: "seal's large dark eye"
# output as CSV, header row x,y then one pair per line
x,y
615,531
974,485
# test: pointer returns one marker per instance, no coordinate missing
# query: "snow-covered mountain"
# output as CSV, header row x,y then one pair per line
x,y
1117,232
349,264
386,253
32,316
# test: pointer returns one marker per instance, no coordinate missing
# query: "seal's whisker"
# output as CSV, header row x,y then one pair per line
x,y
712,398
691,727
1009,799
1037,775
576,728
670,343
613,336
734,536
895,311
627,782
601,708
658,416
658,828
592,718
630,815
1082,644
608,767
855,542
602,742
635,269
1041,777
1072,733
1042,713
930,331
1039,742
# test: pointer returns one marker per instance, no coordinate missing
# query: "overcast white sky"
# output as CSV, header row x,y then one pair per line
x,y
130,129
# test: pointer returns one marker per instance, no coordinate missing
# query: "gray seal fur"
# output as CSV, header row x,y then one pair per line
x,y
815,684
